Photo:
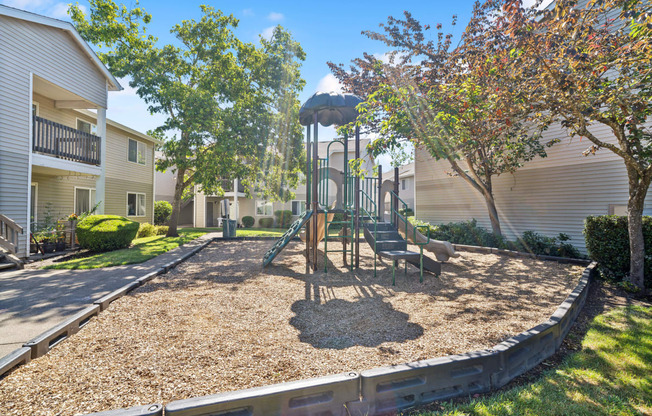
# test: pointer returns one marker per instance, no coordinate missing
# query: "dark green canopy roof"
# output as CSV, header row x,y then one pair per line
x,y
330,107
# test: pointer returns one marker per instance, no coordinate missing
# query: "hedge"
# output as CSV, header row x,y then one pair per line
x,y
266,222
106,232
283,218
146,230
248,221
468,233
607,241
162,212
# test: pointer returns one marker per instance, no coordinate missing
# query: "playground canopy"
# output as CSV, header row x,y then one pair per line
x,y
330,107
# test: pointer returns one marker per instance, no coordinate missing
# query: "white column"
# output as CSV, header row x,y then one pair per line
x,y
100,183
235,200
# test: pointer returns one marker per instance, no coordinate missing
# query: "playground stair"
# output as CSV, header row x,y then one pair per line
x,y
391,245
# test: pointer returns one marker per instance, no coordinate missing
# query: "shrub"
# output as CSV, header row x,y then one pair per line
x,y
161,229
106,232
248,221
406,212
551,246
146,230
283,218
466,233
162,212
607,241
266,222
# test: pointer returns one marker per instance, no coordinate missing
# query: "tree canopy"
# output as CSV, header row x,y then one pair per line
x,y
448,99
231,107
585,64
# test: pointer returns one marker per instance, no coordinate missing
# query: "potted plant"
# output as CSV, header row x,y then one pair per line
x,y
48,241
60,238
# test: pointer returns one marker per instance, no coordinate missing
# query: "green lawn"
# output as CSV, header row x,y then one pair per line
x,y
259,232
611,375
142,249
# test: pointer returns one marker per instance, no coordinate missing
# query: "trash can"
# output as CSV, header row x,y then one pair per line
x,y
228,231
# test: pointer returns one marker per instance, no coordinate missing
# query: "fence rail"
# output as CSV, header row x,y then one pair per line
x,y
65,142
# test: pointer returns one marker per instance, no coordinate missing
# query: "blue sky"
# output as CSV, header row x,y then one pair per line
x,y
328,31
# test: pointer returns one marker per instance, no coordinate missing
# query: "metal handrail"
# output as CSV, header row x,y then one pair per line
x,y
415,228
370,202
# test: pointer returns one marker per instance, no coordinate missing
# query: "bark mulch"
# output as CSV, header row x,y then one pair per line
x,y
219,322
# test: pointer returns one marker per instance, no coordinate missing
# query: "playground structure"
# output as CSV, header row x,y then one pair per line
x,y
359,202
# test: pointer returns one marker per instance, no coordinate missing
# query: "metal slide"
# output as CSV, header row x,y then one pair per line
x,y
286,237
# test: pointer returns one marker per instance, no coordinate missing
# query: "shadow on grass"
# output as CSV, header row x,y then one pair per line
x,y
612,375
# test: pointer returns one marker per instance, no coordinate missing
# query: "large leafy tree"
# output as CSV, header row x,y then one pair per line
x,y
231,107
449,100
588,64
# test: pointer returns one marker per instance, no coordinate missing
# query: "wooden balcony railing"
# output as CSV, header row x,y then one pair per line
x,y
9,232
65,142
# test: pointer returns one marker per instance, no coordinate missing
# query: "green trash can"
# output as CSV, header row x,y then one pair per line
x,y
228,231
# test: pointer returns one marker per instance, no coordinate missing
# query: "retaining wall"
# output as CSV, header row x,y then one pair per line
x,y
379,390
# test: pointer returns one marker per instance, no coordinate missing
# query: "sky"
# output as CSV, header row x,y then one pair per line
x,y
327,31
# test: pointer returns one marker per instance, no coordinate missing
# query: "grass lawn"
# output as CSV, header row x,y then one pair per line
x,y
259,232
142,249
611,375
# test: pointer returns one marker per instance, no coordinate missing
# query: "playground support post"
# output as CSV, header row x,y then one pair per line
x,y
395,200
357,200
345,195
381,203
315,202
308,184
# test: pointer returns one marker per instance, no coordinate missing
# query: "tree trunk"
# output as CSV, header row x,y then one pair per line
x,y
176,204
493,213
638,188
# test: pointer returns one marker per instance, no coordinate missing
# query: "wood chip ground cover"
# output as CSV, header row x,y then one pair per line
x,y
219,322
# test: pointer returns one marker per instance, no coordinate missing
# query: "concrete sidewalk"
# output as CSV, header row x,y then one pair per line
x,y
33,301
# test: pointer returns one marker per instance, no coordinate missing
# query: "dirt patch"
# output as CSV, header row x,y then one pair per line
x,y
219,323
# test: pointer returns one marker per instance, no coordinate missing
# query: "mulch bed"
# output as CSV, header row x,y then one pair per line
x,y
219,322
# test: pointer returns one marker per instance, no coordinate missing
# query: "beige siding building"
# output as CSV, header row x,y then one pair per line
x,y
58,158
205,210
549,195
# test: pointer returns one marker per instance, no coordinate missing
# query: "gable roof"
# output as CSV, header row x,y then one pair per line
x,y
8,11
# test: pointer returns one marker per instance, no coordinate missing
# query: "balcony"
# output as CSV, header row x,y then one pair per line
x,y
227,186
65,142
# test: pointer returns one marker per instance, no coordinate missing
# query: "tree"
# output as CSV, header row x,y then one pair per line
x,y
452,101
231,107
587,65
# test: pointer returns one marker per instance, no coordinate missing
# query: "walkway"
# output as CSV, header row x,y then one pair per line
x,y
33,301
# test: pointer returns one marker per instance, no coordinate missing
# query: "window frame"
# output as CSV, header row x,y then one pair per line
x,y
90,200
93,126
265,204
403,184
36,107
302,203
136,206
144,151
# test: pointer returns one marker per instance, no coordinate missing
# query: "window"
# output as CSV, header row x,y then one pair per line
x,y
34,108
86,127
136,152
263,208
135,205
298,207
403,185
84,200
